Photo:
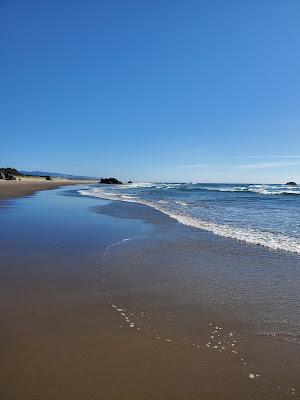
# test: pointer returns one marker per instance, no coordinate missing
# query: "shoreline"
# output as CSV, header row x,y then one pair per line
x,y
26,187
282,243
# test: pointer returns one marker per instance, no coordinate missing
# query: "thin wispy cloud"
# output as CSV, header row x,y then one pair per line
x,y
193,151
278,156
169,154
263,165
195,166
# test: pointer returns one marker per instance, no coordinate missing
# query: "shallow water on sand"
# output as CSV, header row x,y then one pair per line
x,y
180,285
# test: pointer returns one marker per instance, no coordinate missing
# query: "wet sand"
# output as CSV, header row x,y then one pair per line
x,y
65,269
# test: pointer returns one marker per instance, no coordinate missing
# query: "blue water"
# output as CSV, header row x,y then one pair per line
x,y
267,215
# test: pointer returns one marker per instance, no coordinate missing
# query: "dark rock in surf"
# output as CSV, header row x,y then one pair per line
x,y
110,181
291,183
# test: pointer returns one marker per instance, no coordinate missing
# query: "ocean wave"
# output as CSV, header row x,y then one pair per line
x,y
259,189
274,193
262,189
136,185
254,236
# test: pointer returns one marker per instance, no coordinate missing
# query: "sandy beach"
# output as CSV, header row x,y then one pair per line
x,y
28,185
87,313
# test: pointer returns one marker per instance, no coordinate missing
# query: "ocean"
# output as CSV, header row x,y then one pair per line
x,y
266,215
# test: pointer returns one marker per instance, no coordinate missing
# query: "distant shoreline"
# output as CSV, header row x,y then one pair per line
x,y
28,186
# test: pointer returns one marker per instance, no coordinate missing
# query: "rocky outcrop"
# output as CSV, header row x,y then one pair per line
x,y
12,174
110,181
9,174
10,171
129,182
291,183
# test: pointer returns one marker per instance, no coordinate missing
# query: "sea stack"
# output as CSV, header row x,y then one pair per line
x,y
110,181
291,183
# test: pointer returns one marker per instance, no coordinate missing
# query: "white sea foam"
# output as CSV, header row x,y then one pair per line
x,y
263,189
271,240
182,203
271,190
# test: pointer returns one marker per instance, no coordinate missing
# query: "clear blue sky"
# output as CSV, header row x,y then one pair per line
x,y
152,89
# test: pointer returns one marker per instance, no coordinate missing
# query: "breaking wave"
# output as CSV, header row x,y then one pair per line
x,y
179,210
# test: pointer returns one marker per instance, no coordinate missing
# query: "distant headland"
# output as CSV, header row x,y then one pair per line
x,y
12,174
